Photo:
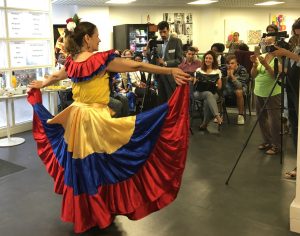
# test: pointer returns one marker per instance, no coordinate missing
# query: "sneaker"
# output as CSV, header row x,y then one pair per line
x,y
240,120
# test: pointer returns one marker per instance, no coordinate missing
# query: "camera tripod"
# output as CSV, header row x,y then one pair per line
x,y
279,79
146,96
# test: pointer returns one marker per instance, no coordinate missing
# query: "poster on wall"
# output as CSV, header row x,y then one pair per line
x,y
280,21
254,36
180,26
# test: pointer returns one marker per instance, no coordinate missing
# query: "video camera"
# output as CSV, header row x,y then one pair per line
x,y
153,42
279,37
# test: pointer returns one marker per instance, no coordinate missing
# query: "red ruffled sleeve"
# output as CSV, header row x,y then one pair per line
x,y
95,63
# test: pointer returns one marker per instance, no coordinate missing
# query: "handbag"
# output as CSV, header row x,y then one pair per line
x,y
206,82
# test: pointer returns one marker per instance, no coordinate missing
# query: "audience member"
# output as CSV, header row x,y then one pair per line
x,y
170,55
219,48
209,67
269,121
236,84
141,88
233,44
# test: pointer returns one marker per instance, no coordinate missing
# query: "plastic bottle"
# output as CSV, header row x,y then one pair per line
x,y
13,80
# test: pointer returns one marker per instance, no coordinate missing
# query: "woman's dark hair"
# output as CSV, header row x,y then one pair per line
x,y
243,47
296,25
162,25
272,26
74,40
214,63
138,54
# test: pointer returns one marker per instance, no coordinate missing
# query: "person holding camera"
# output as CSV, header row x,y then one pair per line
x,y
270,123
170,55
292,85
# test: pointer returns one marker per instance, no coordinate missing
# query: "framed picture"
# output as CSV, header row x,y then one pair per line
x,y
254,36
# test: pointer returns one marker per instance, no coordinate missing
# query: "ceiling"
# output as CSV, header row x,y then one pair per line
x,y
292,4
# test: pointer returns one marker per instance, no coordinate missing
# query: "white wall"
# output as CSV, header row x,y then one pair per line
x,y
97,15
209,24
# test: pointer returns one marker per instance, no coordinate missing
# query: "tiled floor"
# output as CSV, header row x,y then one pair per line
x,y
256,202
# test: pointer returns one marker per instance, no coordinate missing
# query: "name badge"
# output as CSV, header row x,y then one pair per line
x,y
172,51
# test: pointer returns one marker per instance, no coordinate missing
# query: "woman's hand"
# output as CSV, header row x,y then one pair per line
x,y
262,61
179,76
36,84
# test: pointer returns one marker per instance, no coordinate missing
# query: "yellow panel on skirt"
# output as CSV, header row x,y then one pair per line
x,y
90,128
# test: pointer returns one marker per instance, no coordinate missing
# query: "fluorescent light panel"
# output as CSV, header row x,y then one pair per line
x,y
268,3
120,1
202,2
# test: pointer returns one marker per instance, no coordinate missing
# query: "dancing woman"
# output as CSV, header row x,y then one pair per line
x,y
106,166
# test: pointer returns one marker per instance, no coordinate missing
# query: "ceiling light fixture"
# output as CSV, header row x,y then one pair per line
x,y
268,3
120,1
202,2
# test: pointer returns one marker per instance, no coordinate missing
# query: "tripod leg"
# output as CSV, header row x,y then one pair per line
x,y
248,139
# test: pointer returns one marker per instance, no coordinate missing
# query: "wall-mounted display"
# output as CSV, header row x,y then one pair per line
x,y
28,24
29,53
2,24
28,4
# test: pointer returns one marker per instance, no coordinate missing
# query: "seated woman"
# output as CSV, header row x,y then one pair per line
x,y
209,67
269,121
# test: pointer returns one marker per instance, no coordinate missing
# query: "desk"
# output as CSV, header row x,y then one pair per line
x,y
10,141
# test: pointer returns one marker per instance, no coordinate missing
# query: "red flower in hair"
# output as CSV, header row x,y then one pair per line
x,y
69,20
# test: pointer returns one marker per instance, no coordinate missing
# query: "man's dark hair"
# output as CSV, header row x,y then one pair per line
x,y
230,57
243,47
192,49
162,25
272,26
220,47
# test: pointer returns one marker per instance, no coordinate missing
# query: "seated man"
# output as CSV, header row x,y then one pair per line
x,y
237,80
189,65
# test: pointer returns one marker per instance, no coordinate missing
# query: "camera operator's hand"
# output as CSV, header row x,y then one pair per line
x,y
179,76
253,59
263,61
